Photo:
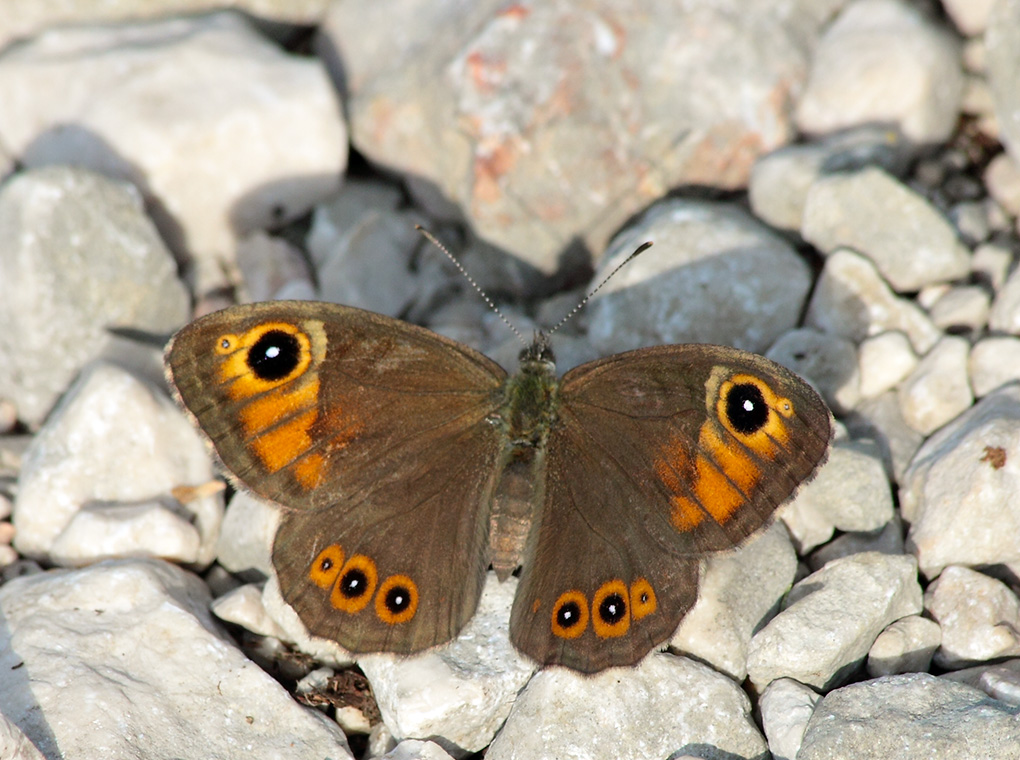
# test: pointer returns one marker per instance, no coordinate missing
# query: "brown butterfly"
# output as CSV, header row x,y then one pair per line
x,y
408,463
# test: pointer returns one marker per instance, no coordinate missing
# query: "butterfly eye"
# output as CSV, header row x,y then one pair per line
x,y
570,615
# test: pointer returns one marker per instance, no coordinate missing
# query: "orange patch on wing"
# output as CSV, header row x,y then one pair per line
x,y
723,477
642,599
283,444
308,471
266,411
726,478
326,566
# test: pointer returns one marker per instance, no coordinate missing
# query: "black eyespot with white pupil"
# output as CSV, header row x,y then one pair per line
x,y
353,584
398,599
568,615
612,609
746,409
326,564
275,355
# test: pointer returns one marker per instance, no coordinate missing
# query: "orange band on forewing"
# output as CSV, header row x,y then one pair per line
x,y
265,411
726,476
724,472
283,444
308,471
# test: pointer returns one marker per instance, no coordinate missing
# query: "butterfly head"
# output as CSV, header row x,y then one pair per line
x,y
538,355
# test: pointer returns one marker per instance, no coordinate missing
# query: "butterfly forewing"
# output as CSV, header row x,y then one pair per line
x,y
657,457
375,437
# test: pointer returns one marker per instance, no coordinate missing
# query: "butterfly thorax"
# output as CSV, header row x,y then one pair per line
x,y
526,416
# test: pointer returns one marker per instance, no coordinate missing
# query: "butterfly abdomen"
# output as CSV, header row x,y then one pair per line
x,y
526,416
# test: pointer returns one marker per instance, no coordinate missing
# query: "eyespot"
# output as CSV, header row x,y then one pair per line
x,y
275,355
642,599
226,344
570,615
610,609
326,567
397,600
355,584
745,408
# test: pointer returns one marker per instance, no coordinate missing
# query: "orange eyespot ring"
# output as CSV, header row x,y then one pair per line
x,y
570,615
642,599
252,365
610,609
326,566
397,600
355,584
226,344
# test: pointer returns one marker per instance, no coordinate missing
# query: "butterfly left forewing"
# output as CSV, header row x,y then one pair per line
x,y
658,456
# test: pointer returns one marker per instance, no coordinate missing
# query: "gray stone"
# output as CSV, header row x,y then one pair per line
x,y
871,212
461,692
1002,41
959,493
665,707
1005,313
883,61
713,275
261,129
906,646
545,139
885,359
123,660
739,592
852,300
78,257
993,362
786,707
961,308
938,389
780,181
100,477
881,419
979,617
910,717
832,618
829,363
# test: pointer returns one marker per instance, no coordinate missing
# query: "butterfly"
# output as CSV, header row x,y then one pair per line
x,y
407,464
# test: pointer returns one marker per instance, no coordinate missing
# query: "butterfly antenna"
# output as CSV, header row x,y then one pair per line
x,y
432,239
640,249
